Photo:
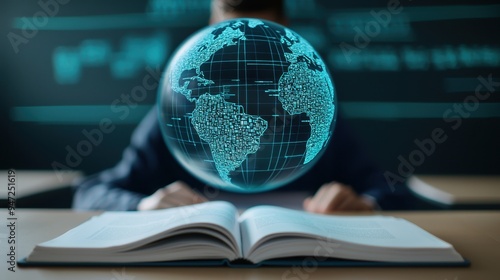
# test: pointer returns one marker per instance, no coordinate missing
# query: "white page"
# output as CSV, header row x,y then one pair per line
x,y
118,228
390,232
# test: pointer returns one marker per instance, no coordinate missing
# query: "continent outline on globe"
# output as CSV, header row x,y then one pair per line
x,y
231,132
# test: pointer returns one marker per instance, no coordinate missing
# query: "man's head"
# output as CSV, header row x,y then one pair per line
x,y
272,10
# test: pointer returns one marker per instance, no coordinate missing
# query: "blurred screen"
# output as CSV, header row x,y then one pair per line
x,y
404,72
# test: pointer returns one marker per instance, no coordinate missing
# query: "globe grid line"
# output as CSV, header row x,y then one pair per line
x,y
267,64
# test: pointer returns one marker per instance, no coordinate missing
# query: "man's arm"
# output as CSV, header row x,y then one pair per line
x,y
146,165
351,181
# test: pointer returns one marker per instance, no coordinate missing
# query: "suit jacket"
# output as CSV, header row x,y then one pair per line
x,y
147,165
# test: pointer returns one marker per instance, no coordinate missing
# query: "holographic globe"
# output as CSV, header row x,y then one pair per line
x,y
246,105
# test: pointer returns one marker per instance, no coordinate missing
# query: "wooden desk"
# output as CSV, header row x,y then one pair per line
x,y
30,182
476,235
456,191
40,188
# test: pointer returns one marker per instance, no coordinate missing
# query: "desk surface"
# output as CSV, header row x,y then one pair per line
x,y
30,182
476,235
457,190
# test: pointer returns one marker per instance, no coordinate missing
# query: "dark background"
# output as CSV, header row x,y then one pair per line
x,y
67,76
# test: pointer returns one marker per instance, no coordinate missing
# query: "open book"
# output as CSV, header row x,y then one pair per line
x,y
215,231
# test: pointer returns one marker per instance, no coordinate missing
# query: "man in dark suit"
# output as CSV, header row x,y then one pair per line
x,y
344,179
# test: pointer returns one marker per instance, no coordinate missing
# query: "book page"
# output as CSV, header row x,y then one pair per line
x,y
263,221
118,228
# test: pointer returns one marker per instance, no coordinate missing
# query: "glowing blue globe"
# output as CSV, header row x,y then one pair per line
x,y
246,105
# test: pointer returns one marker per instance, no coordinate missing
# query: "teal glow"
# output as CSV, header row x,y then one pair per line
x,y
301,8
373,59
134,55
410,110
415,58
169,8
452,12
346,25
78,114
312,34
170,13
95,52
426,13
118,21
